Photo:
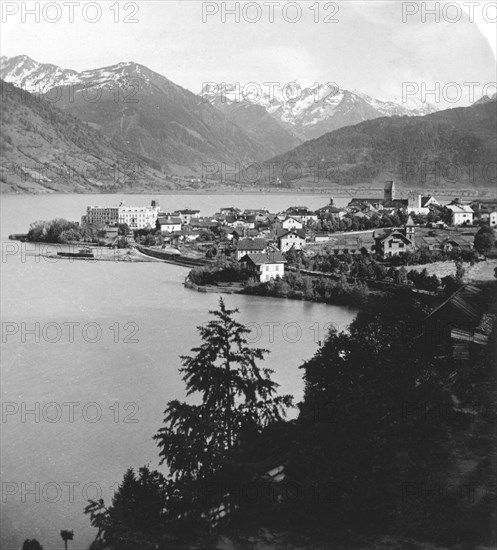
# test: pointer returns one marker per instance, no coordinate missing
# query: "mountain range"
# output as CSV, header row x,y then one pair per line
x,y
154,117
308,111
127,114
455,148
179,129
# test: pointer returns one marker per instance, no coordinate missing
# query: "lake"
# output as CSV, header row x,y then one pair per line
x,y
90,357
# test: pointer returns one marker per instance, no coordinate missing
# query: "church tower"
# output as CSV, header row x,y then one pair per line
x,y
410,228
413,201
389,191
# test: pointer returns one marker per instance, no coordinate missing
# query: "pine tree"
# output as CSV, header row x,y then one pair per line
x,y
137,507
237,399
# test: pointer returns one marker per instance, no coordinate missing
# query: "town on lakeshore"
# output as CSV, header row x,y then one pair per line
x,y
418,273
385,228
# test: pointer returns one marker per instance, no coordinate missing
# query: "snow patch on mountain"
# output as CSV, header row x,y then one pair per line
x,y
305,105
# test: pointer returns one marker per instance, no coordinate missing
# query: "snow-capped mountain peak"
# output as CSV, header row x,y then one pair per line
x,y
312,109
39,78
34,77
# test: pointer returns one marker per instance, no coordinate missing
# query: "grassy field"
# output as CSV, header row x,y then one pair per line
x,y
480,271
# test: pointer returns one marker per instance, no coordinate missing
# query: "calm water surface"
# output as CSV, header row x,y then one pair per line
x,y
107,360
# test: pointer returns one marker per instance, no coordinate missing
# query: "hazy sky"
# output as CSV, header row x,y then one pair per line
x,y
370,48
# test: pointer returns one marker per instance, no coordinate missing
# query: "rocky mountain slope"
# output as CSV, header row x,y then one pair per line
x,y
153,116
45,150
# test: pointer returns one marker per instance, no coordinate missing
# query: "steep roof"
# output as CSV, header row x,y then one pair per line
x,y
425,200
461,306
460,208
267,258
283,233
169,221
388,232
292,218
252,244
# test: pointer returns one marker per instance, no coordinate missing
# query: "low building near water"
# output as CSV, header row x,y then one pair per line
x,y
264,266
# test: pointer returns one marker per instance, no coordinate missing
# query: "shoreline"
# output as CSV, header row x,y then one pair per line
x,y
212,289
136,254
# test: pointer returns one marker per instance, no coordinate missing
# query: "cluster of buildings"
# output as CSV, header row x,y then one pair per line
x,y
261,238
459,213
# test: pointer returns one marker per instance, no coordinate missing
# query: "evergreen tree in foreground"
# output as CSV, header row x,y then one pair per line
x,y
207,446
237,400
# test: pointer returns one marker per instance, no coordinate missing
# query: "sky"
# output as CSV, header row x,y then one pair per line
x,y
390,49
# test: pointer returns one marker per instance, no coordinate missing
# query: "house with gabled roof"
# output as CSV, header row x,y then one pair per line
x,y
186,214
460,213
392,242
245,222
251,246
230,210
461,324
288,223
203,223
264,266
330,211
458,242
168,224
302,213
290,239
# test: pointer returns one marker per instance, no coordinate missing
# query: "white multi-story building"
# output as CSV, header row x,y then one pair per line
x,y
137,217
460,213
291,239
